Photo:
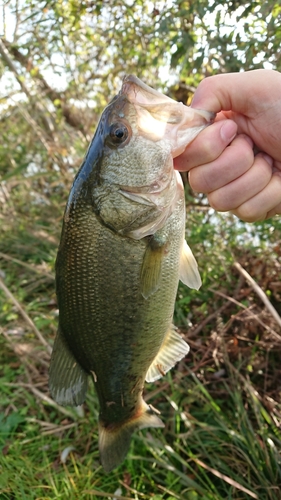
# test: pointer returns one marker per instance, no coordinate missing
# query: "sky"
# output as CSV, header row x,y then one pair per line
x,y
7,26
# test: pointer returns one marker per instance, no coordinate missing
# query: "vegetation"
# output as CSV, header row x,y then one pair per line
x,y
61,62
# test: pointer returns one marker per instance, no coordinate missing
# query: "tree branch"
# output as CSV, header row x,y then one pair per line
x,y
9,62
58,98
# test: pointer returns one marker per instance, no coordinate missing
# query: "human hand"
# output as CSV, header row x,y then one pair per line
x,y
221,161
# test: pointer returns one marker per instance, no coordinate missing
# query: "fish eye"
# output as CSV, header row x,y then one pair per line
x,y
118,133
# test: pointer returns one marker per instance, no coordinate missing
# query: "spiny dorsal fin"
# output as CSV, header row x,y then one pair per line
x,y
189,273
152,264
68,381
172,350
114,441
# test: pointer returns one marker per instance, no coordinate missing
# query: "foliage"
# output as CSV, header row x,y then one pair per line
x,y
61,62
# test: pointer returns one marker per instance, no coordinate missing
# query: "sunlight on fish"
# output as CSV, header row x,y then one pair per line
x,y
121,255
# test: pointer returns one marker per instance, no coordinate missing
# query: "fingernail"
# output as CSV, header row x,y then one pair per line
x,y
266,158
228,131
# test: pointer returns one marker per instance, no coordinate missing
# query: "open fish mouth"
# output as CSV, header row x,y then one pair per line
x,y
160,117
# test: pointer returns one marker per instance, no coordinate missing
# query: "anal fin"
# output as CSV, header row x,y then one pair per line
x,y
189,273
68,381
172,350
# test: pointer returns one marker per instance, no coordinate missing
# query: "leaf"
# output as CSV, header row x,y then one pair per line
x,y
9,424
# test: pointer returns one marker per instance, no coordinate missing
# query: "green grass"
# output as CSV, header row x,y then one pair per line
x,y
221,406
227,448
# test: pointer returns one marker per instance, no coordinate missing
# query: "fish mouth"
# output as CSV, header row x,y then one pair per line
x,y
136,90
160,117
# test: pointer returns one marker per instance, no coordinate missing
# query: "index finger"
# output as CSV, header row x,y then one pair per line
x,y
207,146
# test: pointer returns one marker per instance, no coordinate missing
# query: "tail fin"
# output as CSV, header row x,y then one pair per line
x,y
114,441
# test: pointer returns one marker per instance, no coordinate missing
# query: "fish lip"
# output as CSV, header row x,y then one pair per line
x,y
132,81
160,117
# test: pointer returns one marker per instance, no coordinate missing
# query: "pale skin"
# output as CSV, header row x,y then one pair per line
x,y
236,161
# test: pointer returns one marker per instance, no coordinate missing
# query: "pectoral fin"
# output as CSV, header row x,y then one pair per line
x,y
189,273
173,349
67,380
152,264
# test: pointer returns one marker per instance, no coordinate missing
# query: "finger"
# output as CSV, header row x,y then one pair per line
x,y
244,188
231,91
274,211
264,205
235,160
207,146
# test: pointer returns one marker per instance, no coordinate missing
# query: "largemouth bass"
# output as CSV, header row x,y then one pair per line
x,y
121,255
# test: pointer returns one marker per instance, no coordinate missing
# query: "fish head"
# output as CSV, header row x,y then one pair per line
x,y
141,123
160,118
131,181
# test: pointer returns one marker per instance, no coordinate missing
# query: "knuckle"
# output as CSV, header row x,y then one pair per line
x,y
192,179
243,151
205,84
197,181
248,213
218,202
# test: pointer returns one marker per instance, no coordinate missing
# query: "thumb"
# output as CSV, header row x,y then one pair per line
x,y
232,92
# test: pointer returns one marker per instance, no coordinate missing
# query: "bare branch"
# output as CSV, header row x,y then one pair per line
x,y
58,98
259,292
25,316
9,62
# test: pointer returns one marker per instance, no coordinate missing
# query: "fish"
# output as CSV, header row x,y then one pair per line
x,y
121,255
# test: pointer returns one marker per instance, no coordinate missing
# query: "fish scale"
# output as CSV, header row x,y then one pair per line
x,y
121,255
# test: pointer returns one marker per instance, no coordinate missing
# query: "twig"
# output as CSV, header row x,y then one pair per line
x,y
169,492
51,402
254,316
259,292
63,428
49,427
227,297
218,311
40,394
130,489
23,359
25,316
225,478
106,495
37,130
6,57
205,321
22,384
28,266
158,390
9,62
